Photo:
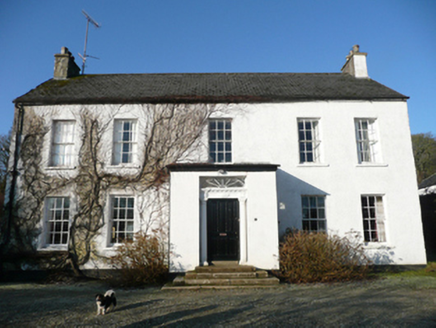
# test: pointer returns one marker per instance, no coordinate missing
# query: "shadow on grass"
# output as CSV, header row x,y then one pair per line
x,y
136,305
196,316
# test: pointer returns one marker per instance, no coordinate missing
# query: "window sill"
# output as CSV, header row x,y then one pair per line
x,y
313,165
60,248
123,166
61,168
372,165
376,245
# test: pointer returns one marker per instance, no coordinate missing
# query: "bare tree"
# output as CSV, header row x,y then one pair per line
x,y
5,142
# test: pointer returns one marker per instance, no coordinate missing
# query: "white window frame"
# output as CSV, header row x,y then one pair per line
x,y
62,145
309,141
125,146
314,217
220,140
373,217
122,219
57,221
367,142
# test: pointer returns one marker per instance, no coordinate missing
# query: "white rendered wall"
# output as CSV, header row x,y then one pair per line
x,y
268,133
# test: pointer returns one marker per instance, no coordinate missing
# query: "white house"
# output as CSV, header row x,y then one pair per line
x,y
317,151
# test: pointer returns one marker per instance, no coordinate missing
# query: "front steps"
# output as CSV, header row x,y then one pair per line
x,y
223,276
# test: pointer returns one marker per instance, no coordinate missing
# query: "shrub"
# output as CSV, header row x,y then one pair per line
x,y
141,261
316,257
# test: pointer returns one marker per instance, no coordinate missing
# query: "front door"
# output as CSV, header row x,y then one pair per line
x,y
222,230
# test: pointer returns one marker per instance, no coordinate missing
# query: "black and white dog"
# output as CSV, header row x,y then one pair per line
x,y
104,302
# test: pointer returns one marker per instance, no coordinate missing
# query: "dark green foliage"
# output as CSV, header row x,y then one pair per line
x,y
317,257
424,151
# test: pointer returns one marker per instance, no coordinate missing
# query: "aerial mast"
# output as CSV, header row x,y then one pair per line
x,y
97,25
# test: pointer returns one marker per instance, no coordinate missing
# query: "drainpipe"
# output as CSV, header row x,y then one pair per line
x,y
10,205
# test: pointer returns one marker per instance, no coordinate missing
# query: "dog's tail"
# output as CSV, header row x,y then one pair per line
x,y
110,293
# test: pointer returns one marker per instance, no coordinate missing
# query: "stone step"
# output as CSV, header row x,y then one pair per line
x,y
226,275
232,282
223,268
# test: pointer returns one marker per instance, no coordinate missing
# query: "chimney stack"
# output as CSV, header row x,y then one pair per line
x,y
65,67
356,63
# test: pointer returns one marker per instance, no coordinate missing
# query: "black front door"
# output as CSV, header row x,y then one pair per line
x,y
222,230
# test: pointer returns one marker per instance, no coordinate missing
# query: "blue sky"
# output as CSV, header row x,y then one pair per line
x,y
165,36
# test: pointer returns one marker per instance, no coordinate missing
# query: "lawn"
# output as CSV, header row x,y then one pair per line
x,y
389,300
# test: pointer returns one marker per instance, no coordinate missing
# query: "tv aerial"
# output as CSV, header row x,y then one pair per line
x,y
97,25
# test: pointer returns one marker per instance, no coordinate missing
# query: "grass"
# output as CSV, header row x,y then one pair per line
x,y
428,271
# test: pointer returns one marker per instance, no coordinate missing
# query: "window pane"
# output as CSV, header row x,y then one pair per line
x,y
122,219
309,157
220,130
321,213
308,135
321,225
57,220
373,217
62,147
130,202
122,202
320,201
312,201
313,213
124,141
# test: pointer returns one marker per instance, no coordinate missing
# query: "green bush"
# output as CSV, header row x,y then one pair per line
x,y
317,257
141,261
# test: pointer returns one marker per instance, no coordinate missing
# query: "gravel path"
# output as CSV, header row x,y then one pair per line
x,y
393,302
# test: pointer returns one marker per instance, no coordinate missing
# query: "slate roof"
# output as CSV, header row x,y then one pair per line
x,y
206,87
